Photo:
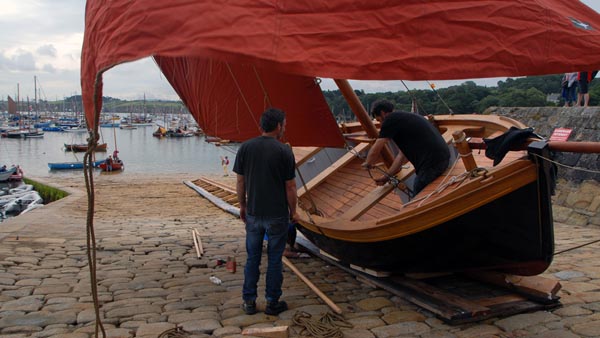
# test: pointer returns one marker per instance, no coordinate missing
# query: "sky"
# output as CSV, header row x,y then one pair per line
x,y
43,38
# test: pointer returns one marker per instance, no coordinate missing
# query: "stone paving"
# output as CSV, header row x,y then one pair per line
x,y
150,280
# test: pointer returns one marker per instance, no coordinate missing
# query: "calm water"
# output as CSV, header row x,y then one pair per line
x,y
140,151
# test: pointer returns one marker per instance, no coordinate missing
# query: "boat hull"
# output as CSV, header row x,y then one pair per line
x,y
71,165
512,234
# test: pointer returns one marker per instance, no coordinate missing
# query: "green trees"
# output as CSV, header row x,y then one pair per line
x,y
465,98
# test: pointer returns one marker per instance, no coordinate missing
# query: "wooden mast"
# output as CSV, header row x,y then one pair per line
x,y
362,116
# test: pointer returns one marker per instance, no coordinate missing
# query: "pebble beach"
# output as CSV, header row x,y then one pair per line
x,y
150,279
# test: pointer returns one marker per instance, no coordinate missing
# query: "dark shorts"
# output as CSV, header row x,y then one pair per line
x,y
583,83
427,175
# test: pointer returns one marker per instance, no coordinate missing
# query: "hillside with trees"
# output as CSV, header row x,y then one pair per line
x,y
465,98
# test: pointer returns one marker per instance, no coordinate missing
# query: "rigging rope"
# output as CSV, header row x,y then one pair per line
x,y
567,166
438,95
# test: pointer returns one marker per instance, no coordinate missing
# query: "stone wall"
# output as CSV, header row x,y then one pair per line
x,y
577,199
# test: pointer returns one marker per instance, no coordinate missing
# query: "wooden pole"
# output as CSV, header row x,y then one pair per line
x,y
362,116
199,241
464,150
313,287
195,243
575,147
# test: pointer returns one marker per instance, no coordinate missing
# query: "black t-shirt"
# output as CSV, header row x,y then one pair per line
x,y
266,165
420,142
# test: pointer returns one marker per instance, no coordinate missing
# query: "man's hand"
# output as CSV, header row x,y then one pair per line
x,y
382,180
243,214
294,218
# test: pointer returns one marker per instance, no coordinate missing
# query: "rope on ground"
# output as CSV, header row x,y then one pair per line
x,y
577,247
174,333
327,326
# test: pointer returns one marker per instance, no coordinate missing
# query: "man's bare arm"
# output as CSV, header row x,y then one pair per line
x,y
375,152
292,198
240,188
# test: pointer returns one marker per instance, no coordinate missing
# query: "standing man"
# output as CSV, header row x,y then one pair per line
x,y
225,164
266,191
419,142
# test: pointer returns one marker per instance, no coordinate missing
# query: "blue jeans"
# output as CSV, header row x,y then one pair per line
x,y
276,229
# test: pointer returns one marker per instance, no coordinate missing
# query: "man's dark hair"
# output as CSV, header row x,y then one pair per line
x,y
270,118
381,106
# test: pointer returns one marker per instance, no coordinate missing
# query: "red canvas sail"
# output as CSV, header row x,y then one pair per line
x,y
411,39
227,100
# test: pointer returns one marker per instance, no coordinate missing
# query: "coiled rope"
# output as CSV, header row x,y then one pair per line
x,y
327,326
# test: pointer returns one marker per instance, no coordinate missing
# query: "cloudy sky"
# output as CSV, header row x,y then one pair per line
x,y
43,38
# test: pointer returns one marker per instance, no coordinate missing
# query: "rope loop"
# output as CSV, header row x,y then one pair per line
x,y
327,326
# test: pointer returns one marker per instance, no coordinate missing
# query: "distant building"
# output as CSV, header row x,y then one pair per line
x,y
553,97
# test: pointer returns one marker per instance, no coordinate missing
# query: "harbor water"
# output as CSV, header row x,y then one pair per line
x,y
140,151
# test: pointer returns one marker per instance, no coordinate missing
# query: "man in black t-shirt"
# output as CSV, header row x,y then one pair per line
x,y
266,190
419,143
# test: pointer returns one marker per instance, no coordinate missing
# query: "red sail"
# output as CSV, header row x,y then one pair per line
x,y
348,39
227,99
12,106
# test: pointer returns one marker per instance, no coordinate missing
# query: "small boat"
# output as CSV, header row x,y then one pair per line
x,y
160,132
34,134
71,165
127,126
5,175
116,166
81,147
17,175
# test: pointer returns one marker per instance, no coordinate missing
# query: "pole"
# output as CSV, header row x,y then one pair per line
x,y
362,116
312,286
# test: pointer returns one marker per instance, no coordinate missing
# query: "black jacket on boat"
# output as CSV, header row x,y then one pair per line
x,y
497,148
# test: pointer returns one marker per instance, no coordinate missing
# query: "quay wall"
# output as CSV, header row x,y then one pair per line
x,y
577,198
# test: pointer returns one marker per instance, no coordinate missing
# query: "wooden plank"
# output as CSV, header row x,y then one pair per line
x,y
268,332
367,202
510,298
340,163
533,287
470,307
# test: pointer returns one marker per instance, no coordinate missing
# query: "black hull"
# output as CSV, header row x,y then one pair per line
x,y
513,234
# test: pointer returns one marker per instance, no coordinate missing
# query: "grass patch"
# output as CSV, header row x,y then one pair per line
x,y
49,194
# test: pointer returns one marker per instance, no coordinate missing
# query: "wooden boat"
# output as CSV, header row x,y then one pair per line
x,y
71,165
81,147
458,222
499,219
116,166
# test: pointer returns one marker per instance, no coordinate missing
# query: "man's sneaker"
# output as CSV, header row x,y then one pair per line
x,y
249,307
275,308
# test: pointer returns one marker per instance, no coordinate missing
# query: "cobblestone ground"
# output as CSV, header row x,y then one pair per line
x,y
150,280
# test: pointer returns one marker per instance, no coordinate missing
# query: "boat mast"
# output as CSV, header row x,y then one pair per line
x,y
362,116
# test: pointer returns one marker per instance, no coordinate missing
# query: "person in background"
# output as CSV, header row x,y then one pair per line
x,y
3,169
116,156
225,164
109,162
584,79
419,142
266,191
569,90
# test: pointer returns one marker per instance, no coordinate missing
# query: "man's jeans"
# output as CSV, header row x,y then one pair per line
x,y
276,229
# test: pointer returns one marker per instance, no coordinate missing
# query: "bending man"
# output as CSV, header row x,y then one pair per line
x,y
418,141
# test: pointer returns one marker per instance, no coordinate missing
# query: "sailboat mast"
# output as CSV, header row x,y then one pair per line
x,y
362,116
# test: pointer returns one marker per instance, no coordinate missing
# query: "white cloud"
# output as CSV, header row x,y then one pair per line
x,y
47,50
